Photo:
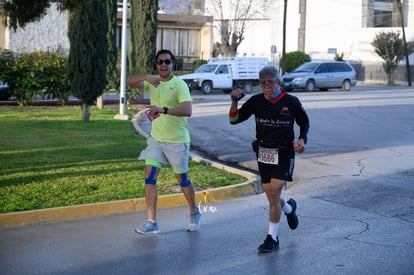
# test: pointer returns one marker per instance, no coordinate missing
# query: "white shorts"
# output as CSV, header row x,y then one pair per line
x,y
176,154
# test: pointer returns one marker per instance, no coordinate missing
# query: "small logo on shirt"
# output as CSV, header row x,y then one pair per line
x,y
285,110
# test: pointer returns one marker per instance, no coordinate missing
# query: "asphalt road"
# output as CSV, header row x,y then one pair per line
x,y
355,195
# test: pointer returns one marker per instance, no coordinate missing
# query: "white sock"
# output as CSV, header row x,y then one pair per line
x,y
273,229
287,208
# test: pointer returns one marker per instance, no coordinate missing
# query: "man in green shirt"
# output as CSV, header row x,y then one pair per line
x,y
170,106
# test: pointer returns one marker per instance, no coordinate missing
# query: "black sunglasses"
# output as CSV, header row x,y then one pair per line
x,y
270,82
166,61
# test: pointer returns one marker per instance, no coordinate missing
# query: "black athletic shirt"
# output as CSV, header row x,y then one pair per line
x,y
274,119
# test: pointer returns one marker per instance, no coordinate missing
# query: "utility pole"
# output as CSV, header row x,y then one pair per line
x,y
407,61
302,26
284,40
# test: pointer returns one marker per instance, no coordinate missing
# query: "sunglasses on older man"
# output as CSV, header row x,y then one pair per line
x,y
269,82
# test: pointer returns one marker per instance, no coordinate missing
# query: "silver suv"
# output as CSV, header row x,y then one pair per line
x,y
321,75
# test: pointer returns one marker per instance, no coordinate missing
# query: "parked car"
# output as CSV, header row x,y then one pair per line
x,y
4,91
322,75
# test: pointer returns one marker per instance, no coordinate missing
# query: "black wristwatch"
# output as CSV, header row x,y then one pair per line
x,y
165,110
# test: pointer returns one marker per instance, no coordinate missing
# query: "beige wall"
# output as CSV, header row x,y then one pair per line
x,y
4,41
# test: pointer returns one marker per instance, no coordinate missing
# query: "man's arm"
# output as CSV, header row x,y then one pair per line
x,y
184,109
302,120
137,81
235,96
299,145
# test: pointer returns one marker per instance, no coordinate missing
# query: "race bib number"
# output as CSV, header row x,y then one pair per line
x,y
268,155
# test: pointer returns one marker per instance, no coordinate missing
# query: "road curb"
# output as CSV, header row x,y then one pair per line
x,y
58,214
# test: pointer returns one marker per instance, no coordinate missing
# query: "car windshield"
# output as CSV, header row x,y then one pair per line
x,y
206,68
305,68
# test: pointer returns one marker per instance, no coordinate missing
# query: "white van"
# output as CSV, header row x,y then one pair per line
x,y
322,75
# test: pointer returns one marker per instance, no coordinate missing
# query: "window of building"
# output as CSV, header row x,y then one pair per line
x,y
382,19
183,43
382,13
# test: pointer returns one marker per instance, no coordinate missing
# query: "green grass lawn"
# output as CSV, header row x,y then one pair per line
x,y
50,158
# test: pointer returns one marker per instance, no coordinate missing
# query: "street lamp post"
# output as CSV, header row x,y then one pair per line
x,y
122,94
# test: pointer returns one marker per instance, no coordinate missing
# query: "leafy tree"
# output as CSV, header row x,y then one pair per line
x,y
143,39
18,13
233,17
294,59
112,72
21,12
143,35
390,47
88,25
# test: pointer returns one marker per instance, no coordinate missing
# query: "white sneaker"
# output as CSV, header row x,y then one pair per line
x,y
194,224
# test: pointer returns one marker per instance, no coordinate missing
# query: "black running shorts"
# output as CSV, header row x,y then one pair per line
x,y
282,171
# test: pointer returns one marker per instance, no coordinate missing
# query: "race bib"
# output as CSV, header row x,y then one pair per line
x,y
268,155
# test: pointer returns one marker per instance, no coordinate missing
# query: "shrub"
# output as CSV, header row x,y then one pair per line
x,y
31,74
339,57
294,59
179,64
54,80
198,62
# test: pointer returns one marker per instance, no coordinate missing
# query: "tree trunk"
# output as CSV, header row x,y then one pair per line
x,y
100,102
85,112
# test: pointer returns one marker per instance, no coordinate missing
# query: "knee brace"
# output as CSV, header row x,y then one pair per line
x,y
185,182
151,178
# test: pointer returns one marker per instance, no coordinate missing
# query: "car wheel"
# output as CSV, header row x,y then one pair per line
x,y
346,85
207,87
310,86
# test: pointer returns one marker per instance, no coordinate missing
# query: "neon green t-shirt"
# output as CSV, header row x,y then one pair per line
x,y
170,94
